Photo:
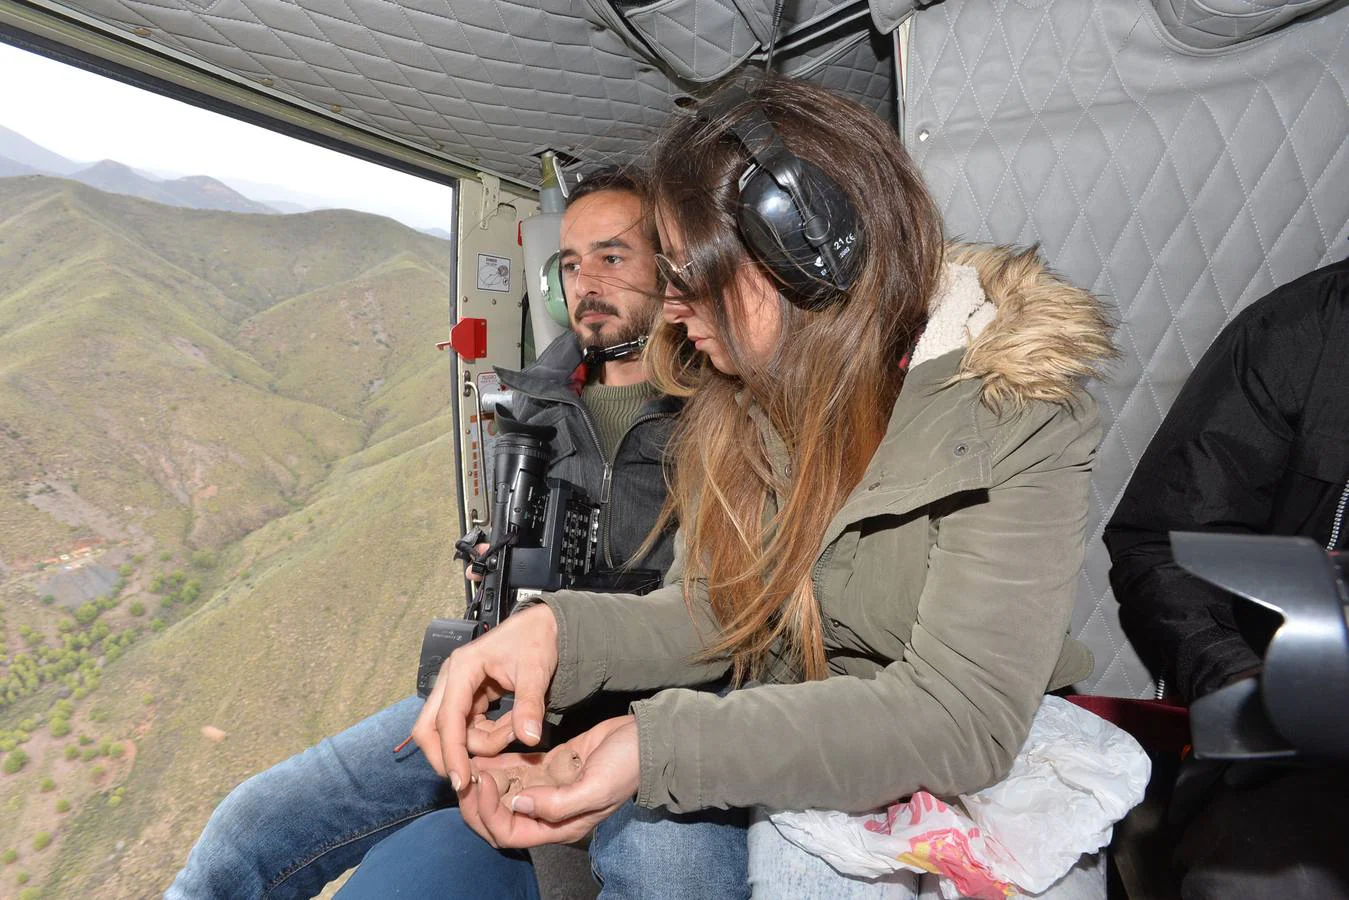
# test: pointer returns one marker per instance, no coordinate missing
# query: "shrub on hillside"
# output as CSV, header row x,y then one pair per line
x,y
60,728
63,805
204,559
16,760
137,608
41,840
72,752
9,856
46,786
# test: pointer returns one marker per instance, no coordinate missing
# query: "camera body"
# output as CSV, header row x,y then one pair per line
x,y
544,537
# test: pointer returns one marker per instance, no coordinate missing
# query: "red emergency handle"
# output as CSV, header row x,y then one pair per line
x,y
468,338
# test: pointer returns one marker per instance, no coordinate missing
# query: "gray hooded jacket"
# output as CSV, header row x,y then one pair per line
x,y
632,485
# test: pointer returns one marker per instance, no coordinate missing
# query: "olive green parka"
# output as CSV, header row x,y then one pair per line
x,y
946,581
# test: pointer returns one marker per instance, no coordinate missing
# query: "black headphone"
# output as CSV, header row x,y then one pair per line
x,y
796,220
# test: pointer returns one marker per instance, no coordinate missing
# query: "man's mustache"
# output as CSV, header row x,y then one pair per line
x,y
593,304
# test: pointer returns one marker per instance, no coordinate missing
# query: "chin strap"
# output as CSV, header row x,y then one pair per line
x,y
595,355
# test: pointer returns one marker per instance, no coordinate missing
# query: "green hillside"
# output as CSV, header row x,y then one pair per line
x,y
227,477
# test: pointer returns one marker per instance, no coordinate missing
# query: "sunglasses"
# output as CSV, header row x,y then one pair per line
x,y
675,276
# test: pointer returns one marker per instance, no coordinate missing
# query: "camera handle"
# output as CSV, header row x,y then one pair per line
x,y
481,563
466,548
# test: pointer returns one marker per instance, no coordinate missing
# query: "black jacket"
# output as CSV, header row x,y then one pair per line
x,y
632,486
1258,443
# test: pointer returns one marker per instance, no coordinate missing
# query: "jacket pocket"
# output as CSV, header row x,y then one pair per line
x,y
564,421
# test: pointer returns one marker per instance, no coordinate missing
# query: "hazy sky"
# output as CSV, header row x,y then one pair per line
x,y
87,118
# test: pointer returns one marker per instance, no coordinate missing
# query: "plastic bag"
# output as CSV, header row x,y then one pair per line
x,y
1076,775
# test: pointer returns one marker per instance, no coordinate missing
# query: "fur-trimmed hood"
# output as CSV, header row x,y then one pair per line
x,y
1028,334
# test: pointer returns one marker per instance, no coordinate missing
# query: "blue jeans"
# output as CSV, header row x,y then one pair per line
x,y
436,857
288,831
635,854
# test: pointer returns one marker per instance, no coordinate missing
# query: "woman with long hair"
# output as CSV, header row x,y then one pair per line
x,y
880,479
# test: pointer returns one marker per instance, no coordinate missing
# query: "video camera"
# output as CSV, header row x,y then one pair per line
x,y
544,536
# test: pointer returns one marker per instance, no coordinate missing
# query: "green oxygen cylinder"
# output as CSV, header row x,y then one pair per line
x,y
541,235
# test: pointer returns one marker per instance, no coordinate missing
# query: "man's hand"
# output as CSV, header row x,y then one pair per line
x,y
520,655
471,575
553,810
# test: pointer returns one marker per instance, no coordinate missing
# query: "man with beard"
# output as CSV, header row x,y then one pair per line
x,y
589,383
288,831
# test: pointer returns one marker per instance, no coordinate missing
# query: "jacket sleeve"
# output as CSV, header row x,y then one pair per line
x,y
620,642
950,716
1215,464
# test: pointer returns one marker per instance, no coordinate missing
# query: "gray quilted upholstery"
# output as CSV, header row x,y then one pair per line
x,y
1178,185
703,40
1208,24
889,13
486,82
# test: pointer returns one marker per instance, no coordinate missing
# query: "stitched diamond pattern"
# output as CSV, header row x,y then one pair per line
x,y
1177,185
488,82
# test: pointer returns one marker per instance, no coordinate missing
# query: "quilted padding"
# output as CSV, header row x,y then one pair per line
x,y
1208,24
484,82
1178,185
703,40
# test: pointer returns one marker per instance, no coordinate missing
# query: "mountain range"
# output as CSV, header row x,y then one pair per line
x,y
252,404
20,156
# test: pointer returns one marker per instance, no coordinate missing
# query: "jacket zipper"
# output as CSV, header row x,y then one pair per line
x,y
606,516
1339,519
815,572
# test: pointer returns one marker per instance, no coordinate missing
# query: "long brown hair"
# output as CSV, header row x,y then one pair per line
x,y
753,532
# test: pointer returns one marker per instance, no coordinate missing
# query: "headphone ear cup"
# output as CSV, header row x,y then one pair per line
x,y
550,289
815,251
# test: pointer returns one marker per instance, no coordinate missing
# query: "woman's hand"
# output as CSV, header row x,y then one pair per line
x,y
520,655
563,811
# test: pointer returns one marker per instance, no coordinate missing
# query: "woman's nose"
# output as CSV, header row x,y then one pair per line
x,y
675,309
